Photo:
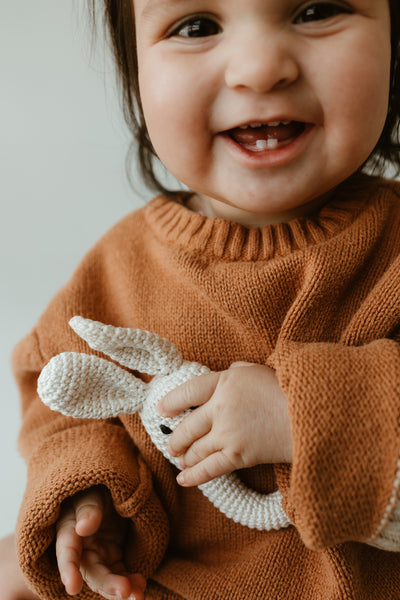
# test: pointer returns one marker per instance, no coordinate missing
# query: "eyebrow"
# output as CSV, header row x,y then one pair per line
x,y
154,6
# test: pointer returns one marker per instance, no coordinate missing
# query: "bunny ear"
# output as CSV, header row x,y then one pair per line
x,y
134,348
89,387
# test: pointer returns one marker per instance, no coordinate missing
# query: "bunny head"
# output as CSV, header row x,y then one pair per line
x,y
87,386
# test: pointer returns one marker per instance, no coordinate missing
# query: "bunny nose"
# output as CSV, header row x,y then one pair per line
x,y
165,429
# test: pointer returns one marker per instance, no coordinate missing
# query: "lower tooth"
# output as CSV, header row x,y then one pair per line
x,y
271,143
262,144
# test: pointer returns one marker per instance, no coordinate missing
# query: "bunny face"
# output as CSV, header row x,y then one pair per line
x,y
159,428
87,386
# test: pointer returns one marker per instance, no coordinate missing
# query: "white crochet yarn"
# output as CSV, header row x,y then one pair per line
x,y
86,386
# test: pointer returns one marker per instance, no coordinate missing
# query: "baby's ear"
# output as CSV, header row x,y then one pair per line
x,y
133,348
88,387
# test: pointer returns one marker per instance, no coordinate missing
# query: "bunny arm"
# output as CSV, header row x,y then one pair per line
x,y
87,386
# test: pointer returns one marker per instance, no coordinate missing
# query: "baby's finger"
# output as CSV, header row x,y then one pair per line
x,y
193,427
198,451
89,509
194,392
68,551
215,465
138,583
108,584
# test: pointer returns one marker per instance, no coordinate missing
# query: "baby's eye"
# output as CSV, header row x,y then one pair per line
x,y
197,27
320,11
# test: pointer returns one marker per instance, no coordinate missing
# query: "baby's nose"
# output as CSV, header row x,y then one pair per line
x,y
262,69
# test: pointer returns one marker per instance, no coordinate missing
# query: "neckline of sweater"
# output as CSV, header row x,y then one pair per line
x,y
174,223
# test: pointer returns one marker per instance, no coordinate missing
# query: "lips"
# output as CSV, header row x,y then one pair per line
x,y
258,137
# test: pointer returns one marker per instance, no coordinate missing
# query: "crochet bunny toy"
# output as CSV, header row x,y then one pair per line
x,y
86,386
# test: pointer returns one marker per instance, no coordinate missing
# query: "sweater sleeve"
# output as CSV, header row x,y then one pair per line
x,y
344,405
65,455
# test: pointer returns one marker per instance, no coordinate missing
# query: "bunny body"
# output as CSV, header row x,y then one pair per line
x,y
87,386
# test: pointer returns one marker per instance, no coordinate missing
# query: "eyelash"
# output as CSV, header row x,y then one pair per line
x,y
193,27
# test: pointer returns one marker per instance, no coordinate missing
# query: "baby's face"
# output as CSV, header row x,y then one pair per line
x,y
263,106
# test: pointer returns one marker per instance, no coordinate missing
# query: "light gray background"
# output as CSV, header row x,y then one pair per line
x,y
62,180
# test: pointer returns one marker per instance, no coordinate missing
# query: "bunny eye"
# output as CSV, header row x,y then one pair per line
x,y
166,430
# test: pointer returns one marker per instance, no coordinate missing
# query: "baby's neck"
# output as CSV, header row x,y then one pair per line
x,y
209,207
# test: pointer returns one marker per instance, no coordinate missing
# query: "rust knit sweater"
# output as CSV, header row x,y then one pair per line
x,y
317,299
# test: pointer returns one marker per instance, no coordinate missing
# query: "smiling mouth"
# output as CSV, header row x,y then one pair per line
x,y
260,137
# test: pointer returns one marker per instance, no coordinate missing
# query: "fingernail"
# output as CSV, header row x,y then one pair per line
x,y
181,479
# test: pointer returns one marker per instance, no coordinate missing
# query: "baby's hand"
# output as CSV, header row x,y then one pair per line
x,y
12,584
90,547
241,420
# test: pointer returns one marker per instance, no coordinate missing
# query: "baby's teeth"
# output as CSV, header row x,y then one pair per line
x,y
271,143
262,144
255,125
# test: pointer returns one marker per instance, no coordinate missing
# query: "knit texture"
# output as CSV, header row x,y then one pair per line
x,y
89,387
316,299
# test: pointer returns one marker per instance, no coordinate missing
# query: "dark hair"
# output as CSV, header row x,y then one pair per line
x,y
387,150
118,20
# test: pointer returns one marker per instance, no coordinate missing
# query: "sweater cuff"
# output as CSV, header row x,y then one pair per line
x,y
345,411
74,460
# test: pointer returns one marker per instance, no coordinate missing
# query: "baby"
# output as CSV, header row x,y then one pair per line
x,y
279,270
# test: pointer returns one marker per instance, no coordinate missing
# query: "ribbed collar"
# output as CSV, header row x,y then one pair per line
x,y
173,223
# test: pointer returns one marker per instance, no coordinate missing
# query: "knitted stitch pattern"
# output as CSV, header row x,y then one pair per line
x,y
318,300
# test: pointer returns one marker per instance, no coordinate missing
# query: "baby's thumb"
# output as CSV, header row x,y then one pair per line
x,y
89,510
